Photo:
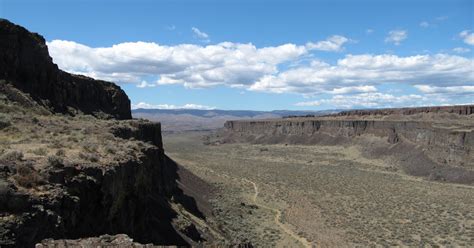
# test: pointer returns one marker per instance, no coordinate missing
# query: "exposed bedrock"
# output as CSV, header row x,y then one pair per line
x,y
146,131
78,198
86,200
422,148
460,110
25,62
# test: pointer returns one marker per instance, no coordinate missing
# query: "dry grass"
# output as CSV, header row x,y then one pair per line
x,y
44,140
26,176
328,194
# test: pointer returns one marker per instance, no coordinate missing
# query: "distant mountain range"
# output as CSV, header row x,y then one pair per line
x,y
196,119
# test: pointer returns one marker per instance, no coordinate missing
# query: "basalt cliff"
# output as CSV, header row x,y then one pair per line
x,y
67,174
25,63
434,142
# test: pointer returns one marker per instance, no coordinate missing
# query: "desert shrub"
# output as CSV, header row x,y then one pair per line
x,y
108,136
55,161
26,176
93,157
61,153
86,131
66,130
110,149
86,118
89,147
35,120
102,115
12,156
56,143
5,121
73,139
40,151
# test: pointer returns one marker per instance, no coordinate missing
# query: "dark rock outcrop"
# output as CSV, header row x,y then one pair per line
x,y
25,62
86,200
146,131
132,191
458,109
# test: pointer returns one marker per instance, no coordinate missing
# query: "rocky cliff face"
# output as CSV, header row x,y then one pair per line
x,y
73,177
423,148
25,62
461,110
130,196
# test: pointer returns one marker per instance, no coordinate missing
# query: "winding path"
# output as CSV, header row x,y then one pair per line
x,y
278,214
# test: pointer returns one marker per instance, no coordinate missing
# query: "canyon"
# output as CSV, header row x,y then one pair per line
x,y
77,170
434,142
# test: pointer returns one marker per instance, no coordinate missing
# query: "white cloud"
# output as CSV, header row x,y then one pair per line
x,y
396,36
194,66
369,31
461,50
266,69
145,84
353,89
354,70
463,89
369,100
333,44
144,105
468,37
424,24
200,35
191,65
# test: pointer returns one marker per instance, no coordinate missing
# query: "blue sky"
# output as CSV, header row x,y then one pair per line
x,y
264,55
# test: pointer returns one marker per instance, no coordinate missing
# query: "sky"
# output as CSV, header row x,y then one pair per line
x,y
264,55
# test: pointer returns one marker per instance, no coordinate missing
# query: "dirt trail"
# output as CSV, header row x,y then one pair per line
x,y
278,214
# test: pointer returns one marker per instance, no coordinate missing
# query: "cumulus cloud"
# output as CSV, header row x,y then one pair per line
x,y
334,44
200,35
369,31
369,100
144,105
191,65
145,84
266,69
468,37
354,70
463,89
396,36
194,66
353,89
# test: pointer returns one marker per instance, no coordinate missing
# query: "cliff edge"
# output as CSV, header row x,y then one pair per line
x,y
76,176
25,63
437,143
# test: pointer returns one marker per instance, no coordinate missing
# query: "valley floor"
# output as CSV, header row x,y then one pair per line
x,y
277,195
